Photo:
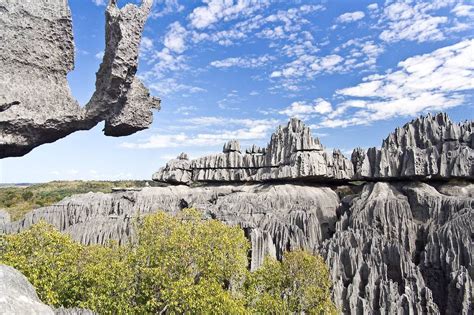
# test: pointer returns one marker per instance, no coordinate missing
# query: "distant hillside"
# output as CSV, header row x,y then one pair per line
x,y
20,199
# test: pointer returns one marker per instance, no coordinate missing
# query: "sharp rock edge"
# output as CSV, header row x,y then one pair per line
x,y
401,247
430,147
18,297
36,105
392,248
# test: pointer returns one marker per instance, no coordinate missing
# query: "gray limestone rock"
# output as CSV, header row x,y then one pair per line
x,y
4,217
18,296
276,218
427,147
177,171
292,154
403,248
392,248
37,53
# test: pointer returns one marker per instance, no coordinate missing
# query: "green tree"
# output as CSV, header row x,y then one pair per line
x,y
187,264
180,264
48,259
298,284
106,279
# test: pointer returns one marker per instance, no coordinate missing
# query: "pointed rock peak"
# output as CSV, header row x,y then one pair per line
x,y
231,146
183,156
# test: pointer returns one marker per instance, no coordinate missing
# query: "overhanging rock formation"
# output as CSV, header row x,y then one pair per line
x,y
292,154
37,52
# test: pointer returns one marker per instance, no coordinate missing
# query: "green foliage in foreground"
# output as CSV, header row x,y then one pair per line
x,y
180,264
20,200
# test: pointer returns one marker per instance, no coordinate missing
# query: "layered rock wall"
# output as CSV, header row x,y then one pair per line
x,y
427,147
431,147
292,154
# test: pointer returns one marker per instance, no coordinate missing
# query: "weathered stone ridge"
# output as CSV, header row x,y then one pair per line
x,y
430,147
427,147
36,54
392,248
276,218
292,154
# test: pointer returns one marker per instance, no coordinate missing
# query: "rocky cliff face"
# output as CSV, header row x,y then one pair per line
x,y
430,147
18,296
427,147
393,247
292,154
36,54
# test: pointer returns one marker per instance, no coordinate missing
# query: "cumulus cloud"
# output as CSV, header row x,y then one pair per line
x,y
433,81
463,10
351,17
304,110
175,38
405,21
247,130
242,62
166,7
215,10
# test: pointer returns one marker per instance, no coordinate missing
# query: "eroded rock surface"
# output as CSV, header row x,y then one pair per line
x,y
392,248
36,54
276,218
18,296
431,147
403,247
427,147
292,154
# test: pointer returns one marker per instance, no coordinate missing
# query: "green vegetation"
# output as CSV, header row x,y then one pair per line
x,y
181,264
20,200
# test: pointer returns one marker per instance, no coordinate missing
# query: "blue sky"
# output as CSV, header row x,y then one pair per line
x,y
353,70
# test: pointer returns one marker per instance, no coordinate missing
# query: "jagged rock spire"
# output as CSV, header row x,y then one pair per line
x,y
292,154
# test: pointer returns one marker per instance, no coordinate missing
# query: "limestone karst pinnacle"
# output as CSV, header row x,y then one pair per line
x,y
392,246
427,147
36,104
292,154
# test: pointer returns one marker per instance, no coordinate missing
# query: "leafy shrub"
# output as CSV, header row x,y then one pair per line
x,y
180,264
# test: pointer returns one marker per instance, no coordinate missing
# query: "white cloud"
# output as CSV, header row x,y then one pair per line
x,y
242,62
413,22
215,10
373,6
248,130
146,44
99,2
185,110
351,17
167,7
304,110
175,38
463,10
99,55
171,86
433,81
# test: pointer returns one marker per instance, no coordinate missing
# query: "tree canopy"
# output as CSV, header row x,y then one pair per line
x,y
180,264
